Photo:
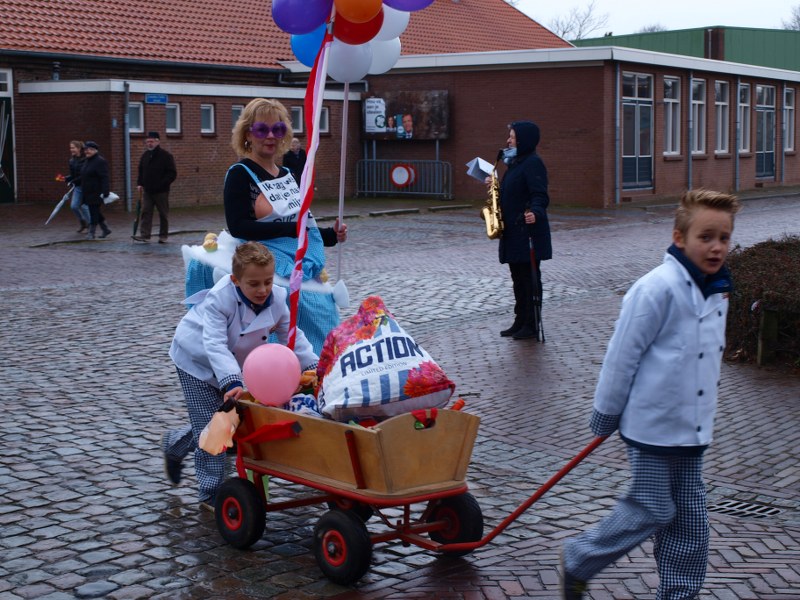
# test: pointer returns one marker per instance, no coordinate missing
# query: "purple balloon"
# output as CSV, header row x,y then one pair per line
x,y
408,5
299,17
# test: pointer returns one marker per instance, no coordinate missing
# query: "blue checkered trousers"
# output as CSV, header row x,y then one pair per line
x,y
666,500
202,401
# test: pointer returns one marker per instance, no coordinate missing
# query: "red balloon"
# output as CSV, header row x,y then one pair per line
x,y
358,11
357,33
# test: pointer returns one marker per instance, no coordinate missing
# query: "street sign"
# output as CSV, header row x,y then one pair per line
x,y
155,98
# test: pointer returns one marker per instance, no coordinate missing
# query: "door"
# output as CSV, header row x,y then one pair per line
x,y
637,130
6,142
765,131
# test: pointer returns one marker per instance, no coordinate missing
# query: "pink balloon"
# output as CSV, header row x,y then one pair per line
x,y
271,374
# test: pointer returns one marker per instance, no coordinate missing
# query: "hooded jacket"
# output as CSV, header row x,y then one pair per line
x,y
524,187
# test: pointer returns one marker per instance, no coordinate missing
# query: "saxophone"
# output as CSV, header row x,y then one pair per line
x,y
491,212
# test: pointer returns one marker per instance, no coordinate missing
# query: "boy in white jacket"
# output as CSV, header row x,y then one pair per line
x,y
658,385
210,345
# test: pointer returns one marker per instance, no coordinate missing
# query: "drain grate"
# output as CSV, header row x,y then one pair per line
x,y
735,508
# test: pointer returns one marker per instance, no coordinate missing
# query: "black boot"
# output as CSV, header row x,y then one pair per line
x,y
84,225
526,332
106,230
518,323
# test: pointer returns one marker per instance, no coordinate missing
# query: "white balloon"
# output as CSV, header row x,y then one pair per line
x,y
348,63
394,23
384,56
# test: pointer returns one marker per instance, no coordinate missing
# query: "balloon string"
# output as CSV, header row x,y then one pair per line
x,y
342,171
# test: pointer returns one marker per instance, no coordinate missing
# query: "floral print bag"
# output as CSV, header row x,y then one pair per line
x,y
370,367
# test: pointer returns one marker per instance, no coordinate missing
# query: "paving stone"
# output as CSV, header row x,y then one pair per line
x,y
82,489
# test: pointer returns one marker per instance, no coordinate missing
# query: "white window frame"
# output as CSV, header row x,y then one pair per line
x,y
789,119
672,117
743,116
298,123
207,109
698,141
6,90
722,94
236,112
325,120
297,117
136,125
176,109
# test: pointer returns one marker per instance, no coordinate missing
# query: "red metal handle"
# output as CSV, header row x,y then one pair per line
x,y
527,504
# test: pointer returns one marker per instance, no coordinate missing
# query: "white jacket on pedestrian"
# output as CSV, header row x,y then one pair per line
x,y
661,370
213,339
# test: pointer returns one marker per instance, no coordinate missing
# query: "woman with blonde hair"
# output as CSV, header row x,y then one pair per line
x,y
262,203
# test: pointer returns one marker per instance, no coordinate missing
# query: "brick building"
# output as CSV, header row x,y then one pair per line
x,y
617,124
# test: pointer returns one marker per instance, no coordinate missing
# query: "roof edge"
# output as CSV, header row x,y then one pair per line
x,y
136,61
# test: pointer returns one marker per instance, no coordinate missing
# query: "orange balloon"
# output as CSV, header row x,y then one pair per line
x,y
358,11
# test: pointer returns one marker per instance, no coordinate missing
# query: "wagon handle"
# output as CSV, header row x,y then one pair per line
x,y
458,547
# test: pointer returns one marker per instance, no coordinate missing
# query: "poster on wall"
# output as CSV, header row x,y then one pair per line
x,y
406,115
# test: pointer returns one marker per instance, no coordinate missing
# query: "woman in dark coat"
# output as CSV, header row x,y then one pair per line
x,y
526,230
95,186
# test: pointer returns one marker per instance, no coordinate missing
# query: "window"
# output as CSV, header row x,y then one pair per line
x,y
324,123
743,116
297,119
298,124
135,117
5,79
722,111
207,118
788,119
173,118
698,116
236,112
672,115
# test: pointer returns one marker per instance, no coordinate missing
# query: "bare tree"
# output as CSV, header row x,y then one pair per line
x,y
794,20
578,24
652,28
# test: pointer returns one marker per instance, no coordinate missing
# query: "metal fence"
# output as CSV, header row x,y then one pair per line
x,y
430,178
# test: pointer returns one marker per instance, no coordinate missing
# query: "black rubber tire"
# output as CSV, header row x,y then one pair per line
x,y
464,521
239,513
359,509
342,546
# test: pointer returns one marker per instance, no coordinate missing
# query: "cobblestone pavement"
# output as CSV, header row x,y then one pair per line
x,y
85,510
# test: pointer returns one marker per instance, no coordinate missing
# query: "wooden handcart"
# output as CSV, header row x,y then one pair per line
x,y
410,459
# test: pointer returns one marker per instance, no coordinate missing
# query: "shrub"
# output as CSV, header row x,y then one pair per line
x,y
766,276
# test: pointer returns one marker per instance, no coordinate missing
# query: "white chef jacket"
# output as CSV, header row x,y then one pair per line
x,y
661,370
220,330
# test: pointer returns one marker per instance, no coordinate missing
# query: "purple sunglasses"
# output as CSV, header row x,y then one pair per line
x,y
261,130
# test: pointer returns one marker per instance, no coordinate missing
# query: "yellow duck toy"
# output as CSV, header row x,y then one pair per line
x,y
210,242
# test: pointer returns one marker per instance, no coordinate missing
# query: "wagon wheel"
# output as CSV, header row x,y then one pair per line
x,y
342,546
359,509
239,513
464,521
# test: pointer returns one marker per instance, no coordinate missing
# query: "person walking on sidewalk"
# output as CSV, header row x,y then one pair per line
x,y
658,385
156,173
76,160
95,186
210,345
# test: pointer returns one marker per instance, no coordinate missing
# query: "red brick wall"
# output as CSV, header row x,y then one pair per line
x,y
573,106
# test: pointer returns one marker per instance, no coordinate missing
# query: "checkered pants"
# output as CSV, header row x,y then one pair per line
x,y
202,401
667,500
